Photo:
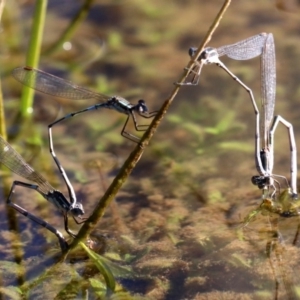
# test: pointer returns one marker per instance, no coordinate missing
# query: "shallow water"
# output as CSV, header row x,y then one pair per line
x,y
177,221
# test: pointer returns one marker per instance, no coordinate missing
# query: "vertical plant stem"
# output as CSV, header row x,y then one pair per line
x,y
2,114
33,52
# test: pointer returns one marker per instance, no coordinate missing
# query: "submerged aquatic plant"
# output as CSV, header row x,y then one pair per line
x,y
284,206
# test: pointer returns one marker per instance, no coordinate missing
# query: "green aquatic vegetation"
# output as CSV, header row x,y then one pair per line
x,y
102,266
13,293
236,146
70,30
203,137
215,197
114,39
284,205
224,124
239,261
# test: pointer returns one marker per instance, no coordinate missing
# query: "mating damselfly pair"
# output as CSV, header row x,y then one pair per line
x,y
259,45
277,200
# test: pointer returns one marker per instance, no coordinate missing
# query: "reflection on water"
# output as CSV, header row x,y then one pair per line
x,y
177,221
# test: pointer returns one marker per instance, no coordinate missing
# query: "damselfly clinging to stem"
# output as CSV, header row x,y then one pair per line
x,y
263,45
242,50
15,162
55,86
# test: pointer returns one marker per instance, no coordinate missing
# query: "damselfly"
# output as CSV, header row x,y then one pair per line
x,y
242,50
55,86
263,45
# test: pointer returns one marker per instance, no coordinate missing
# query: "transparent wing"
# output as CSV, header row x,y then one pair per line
x,y
53,85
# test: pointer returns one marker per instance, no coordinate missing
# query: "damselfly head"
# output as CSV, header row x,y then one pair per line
x,y
192,51
209,55
260,181
142,107
77,210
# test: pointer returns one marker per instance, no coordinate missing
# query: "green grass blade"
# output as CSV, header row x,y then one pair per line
x,y
102,267
33,53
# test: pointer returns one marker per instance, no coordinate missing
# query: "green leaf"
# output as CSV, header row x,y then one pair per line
x,y
99,287
11,292
102,267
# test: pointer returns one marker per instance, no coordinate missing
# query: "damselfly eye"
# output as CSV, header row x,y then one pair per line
x,y
77,210
142,106
192,51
